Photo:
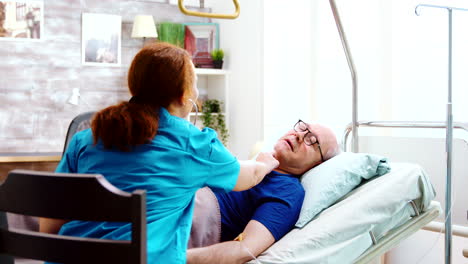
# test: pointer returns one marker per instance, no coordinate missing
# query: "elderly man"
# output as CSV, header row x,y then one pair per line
x,y
252,220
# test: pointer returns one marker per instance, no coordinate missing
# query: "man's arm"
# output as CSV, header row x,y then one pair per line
x,y
49,225
256,239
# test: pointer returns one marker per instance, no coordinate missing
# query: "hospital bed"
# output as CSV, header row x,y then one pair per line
x,y
332,236
364,224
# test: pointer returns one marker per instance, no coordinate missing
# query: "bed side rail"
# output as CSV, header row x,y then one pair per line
x,y
395,236
398,124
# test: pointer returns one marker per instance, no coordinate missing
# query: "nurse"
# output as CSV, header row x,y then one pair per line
x,y
147,143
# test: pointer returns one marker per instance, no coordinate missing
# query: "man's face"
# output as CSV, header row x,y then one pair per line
x,y
295,156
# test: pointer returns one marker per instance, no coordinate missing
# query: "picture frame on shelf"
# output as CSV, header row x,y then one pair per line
x,y
101,39
200,40
173,33
21,20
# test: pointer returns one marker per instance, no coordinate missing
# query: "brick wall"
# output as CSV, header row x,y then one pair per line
x,y
37,77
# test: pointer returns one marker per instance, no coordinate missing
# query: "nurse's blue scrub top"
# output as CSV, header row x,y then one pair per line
x,y
171,168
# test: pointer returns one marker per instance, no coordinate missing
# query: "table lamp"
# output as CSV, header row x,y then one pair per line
x,y
144,27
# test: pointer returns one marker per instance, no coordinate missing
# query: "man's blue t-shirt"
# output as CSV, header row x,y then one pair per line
x,y
275,202
180,160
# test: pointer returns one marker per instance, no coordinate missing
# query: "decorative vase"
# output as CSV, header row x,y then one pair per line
x,y
218,64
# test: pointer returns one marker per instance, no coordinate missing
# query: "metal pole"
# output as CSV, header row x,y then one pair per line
x,y
344,42
449,141
448,137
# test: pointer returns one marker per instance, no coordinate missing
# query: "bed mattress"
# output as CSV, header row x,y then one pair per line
x,y
345,231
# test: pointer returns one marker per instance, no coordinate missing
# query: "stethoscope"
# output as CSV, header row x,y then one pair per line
x,y
196,111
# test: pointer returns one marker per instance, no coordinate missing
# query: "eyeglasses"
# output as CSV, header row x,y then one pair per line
x,y
309,138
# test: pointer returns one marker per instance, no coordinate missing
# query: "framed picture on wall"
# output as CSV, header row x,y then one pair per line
x,y
101,39
21,20
200,40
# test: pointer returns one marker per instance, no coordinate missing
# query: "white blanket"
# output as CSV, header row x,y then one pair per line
x,y
340,234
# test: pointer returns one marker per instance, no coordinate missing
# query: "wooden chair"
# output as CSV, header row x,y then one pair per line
x,y
72,196
4,224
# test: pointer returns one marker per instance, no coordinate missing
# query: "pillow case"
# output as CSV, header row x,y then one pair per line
x,y
331,180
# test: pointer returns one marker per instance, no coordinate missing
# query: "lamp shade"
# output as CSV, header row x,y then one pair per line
x,y
144,27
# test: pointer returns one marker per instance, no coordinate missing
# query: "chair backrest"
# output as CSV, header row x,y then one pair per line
x,y
4,259
80,122
72,196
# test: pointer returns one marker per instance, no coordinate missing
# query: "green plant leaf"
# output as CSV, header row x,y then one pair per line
x,y
217,54
212,117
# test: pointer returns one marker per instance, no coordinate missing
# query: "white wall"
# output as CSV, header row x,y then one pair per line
x,y
288,64
429,249
401,63
242,40
306,73
420,65
366,24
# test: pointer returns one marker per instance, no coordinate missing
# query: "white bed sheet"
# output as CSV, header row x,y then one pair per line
x,y
340,234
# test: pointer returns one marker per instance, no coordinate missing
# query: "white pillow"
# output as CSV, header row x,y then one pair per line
x,y
331,180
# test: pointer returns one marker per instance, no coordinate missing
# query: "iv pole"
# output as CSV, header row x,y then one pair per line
x,y
449,136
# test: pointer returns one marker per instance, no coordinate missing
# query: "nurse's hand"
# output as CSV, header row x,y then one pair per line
x,y
269,160
252,172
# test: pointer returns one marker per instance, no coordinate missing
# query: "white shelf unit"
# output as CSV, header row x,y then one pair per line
x,y
213,84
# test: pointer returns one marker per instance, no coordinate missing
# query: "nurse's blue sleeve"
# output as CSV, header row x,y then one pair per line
x,y
225,168
68,162
211,163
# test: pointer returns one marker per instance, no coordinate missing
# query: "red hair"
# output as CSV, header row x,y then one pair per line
x,y
160,74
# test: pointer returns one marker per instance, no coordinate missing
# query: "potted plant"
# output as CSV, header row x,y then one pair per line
x,y
217,55
212,117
